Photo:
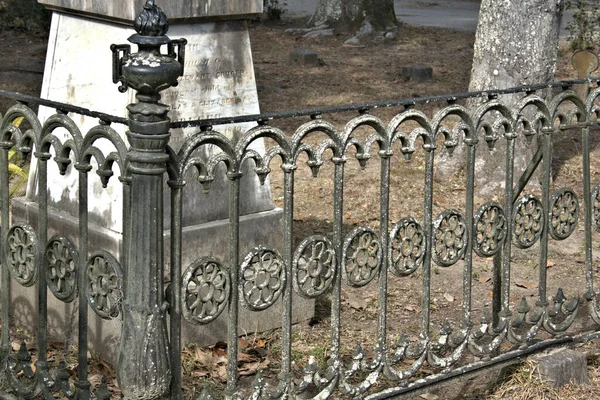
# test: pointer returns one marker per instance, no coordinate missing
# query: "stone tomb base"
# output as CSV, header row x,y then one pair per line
x,y
104,335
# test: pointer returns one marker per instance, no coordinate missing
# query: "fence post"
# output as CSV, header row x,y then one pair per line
x,y
143,368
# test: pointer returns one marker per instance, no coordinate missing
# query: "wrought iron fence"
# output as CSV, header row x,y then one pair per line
x,y
321,265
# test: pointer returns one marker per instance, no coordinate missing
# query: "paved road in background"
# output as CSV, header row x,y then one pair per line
x,y
451,14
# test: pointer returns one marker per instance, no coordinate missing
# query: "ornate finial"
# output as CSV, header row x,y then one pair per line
x,y
152,21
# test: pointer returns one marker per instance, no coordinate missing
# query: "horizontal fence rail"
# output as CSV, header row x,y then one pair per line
x,y
323,265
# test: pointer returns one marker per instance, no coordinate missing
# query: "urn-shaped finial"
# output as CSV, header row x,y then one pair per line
x,y
149,71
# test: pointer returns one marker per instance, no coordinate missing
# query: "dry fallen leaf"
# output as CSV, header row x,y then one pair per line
x,y
245,358
243,343
525,284
429,396
358,303
449,298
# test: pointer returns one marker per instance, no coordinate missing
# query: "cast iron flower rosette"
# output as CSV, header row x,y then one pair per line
x,y
528,220
61,273
564,214
205,290
104,284
314,266
407,247
21,245
362,256
489,229
262,278
450,236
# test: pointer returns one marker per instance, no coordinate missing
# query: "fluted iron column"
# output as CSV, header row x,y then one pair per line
x,y
143,368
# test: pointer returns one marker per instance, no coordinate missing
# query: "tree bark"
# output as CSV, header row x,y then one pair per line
x,y
350,15
516,44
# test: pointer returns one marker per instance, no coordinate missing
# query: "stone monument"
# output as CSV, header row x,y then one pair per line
x,y
218,82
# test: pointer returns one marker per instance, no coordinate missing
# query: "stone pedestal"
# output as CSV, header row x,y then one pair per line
x,y
218,81
562,367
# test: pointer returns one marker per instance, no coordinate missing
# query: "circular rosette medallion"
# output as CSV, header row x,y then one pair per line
x,y
407,247
596,208
314,266
489,229
61,273
104,285
362,256
528,221
205,289
262,278
21,246
565,213
449,238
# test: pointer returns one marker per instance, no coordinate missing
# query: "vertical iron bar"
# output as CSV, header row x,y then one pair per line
x,y
175,299
384,240
338,221
508,206
428,228
547,213
43,240
4,226
497,286
468,266
234,262
288,226
82,383
587,205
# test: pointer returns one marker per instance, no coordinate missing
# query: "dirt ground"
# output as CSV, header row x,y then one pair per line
x,y
363,74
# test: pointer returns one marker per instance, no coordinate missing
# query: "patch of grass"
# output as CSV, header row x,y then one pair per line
x,y
522,382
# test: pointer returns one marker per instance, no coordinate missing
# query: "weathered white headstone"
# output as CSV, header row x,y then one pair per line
x,y
218,82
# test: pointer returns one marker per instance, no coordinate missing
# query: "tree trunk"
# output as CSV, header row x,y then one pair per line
x,y
516,44
350,15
